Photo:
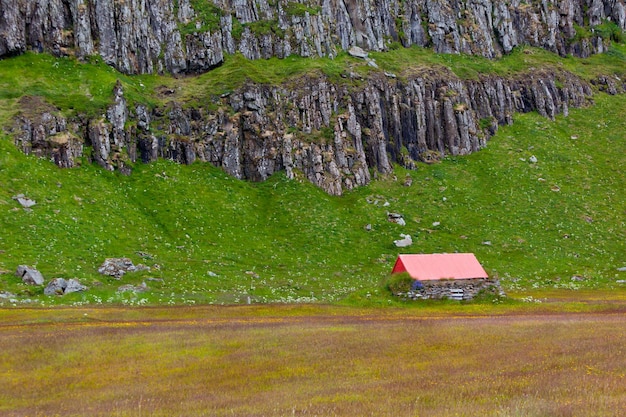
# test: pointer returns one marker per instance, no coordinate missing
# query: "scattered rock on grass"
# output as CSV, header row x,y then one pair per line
x,y
60,286
55,287
73,285
6,294
117,267
24,201
404,242
133,288
29,275
357,52
396,218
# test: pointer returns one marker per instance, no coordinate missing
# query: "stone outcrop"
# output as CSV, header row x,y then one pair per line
x,y
44,132
333,134
184,36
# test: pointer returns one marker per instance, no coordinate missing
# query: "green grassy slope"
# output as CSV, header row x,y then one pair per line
x,y
285,240
211,238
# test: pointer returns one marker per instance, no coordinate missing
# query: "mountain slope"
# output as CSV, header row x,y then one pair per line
x,y
558,222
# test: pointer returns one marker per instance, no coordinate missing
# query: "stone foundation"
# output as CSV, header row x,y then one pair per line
x,y
457,289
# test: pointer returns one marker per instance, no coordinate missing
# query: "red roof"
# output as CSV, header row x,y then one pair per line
x,y
440,266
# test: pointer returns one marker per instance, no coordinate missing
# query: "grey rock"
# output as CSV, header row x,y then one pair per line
x,y
56,286
6,295
133,288
396,218
371,63
404,242
24,201
622,269
29,275
116,267
73,285
357,52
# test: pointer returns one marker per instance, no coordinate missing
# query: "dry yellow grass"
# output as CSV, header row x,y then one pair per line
x,y
307,361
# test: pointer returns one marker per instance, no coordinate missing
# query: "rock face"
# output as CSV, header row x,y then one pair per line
x,y
331,133
184,36
44,132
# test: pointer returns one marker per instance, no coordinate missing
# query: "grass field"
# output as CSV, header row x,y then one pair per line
x,y
312,361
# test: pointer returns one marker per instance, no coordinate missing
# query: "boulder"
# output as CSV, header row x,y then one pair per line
x,y
24,201
396,218
29,275
116,267
73,285
133,288
357,52
404,242
56,287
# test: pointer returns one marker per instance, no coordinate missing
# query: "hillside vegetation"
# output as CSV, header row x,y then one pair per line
x,y
559,222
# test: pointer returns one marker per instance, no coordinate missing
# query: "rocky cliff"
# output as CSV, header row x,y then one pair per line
x,y
191,36
334,135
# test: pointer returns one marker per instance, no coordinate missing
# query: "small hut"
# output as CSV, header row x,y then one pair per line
x,y
458,276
